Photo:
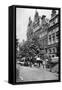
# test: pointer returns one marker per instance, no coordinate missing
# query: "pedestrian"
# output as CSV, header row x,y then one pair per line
x,y
46,62
38,60
50,63
43,64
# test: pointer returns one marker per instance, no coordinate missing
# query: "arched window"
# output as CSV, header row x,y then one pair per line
x,y
49,38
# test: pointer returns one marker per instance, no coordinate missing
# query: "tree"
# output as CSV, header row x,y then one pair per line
x,y
30,48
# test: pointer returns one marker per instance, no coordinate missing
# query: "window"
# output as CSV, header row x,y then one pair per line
x,y
49,38
57,35
56,20
51,23
53,50
53,36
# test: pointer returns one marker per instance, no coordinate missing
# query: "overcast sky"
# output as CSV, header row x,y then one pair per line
x,y
22,17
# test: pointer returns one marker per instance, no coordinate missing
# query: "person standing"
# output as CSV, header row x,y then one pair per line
x,y
38,60
44,64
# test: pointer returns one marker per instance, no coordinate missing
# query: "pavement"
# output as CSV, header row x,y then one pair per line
x,y
35,74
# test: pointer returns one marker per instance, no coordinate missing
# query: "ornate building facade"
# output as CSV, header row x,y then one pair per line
x,y
29,30
53,34
39,28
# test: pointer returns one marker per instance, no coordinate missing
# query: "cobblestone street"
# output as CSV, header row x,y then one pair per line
x,y
35,74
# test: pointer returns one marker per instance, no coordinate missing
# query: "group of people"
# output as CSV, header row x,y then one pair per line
x,y
39,61
42,62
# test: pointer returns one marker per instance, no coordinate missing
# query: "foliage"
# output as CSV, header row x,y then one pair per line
x,y
30,48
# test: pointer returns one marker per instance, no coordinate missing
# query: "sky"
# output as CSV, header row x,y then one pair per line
x,y
22,18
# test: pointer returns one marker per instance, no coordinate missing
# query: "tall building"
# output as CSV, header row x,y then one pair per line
x,y
39,28
53,34
43,34
29,30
